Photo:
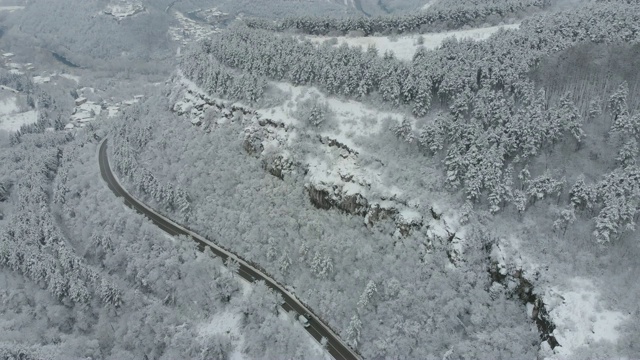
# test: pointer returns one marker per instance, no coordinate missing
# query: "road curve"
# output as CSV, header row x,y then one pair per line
x,y
336,348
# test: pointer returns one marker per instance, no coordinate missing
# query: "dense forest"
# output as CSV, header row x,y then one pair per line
x,y
444,15
78,284
313,250
484,102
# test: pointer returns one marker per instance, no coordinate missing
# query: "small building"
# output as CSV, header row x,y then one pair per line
x,y
69,126
80,101
7,55
41,79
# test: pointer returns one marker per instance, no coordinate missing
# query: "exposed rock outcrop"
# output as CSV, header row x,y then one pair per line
x,y
516,284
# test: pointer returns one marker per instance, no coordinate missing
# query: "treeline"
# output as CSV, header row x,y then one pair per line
x,y
218,80
615,199
447,16
456,68
341,71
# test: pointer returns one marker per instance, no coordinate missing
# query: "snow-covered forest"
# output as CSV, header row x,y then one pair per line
x,y
478,200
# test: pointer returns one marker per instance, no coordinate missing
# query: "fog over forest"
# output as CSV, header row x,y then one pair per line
x,y
319,179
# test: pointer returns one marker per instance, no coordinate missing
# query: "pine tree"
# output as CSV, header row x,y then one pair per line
x,y
4,191
582,196
404,131
627,154
566,218
317,115
369,291
284,262
618,102
353,331
595,109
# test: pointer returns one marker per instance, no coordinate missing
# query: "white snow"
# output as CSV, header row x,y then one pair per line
x,y
575,308
13,122
580,317
11,8
226,323
75,78
41,79
112,111
11,117
9,106
404,47
428,4
410,216
123,10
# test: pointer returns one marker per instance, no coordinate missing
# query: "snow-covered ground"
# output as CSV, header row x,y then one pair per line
x,y
13,122
226,324
123,10
11,115
75,78
580,317
404,47
428,4
574,306
39,79
9,105
11,8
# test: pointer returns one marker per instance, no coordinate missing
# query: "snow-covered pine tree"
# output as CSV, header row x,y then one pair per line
x,y
618,102
404,131
367,295
582,196
628,153
353,331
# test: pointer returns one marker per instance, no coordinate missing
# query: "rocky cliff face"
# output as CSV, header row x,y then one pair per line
x,y
334,175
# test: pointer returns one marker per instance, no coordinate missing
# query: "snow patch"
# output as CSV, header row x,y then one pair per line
x,y
580,317
13,122
9,106
11,8
404,47
123,10
41,79
71,77
428,4
227,324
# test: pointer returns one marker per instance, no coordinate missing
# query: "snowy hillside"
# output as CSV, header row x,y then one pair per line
x,y
446,179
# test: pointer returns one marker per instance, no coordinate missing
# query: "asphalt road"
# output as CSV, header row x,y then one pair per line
x,y
317,329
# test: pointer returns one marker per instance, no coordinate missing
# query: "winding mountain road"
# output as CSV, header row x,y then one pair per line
x,y
336,348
